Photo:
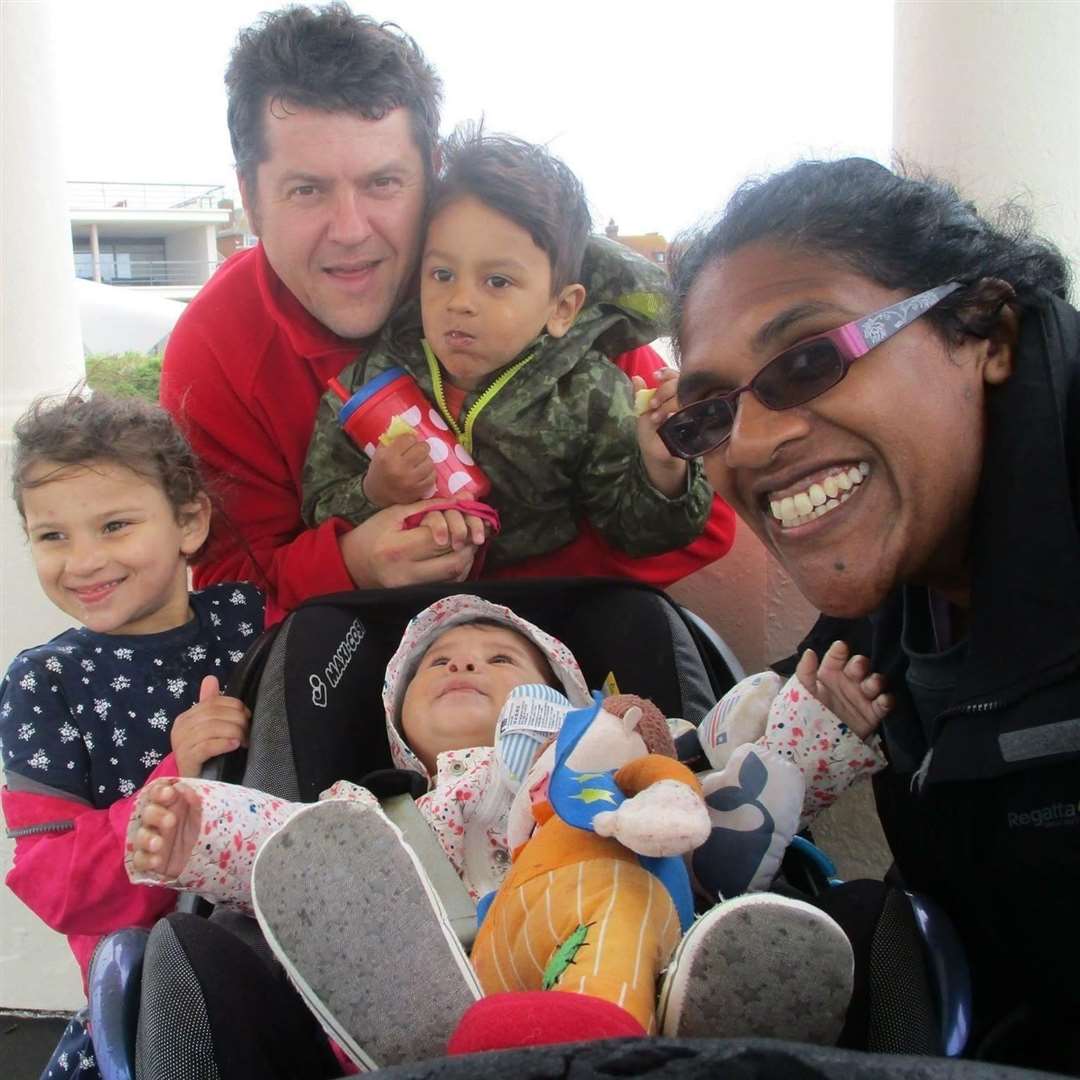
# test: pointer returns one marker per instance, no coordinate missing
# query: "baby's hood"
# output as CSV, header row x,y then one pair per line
x,y
436,620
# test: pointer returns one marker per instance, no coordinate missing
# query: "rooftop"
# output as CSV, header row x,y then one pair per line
x,y
109,195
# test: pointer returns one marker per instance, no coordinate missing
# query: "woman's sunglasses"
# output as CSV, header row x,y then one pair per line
x,y
796,376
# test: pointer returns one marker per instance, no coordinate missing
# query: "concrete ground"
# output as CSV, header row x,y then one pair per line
x,y
26,1043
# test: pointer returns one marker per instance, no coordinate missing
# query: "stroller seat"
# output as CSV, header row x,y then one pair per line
x,y
314,685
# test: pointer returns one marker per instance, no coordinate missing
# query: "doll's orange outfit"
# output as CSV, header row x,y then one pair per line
x,y
568,885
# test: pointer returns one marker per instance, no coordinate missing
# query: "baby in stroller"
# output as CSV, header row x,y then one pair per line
x,y
470,696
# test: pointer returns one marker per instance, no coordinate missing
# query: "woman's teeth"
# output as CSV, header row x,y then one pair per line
x,y
819,498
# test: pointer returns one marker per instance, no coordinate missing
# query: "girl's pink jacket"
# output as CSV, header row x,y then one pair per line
x,y
72,875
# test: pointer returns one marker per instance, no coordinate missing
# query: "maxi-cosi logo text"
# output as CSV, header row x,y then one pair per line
x,y
335,669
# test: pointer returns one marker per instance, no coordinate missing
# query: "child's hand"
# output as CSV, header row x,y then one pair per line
x,y
171,821
215,725
666,473
399,473
451,530
845,684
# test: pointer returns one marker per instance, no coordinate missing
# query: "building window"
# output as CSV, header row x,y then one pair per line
x,y
128,261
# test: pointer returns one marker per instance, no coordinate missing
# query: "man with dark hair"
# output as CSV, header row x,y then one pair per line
x,y
333,119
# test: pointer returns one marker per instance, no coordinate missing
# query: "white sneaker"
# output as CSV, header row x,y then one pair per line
x,y
348,911
759,965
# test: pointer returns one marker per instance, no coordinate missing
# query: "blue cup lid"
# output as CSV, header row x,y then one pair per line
x,y
367,390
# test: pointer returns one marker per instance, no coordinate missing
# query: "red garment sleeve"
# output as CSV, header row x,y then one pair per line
x,y
75,880
258,534
590,555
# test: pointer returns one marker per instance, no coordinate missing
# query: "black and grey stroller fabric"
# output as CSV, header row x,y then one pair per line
x,y
214,1006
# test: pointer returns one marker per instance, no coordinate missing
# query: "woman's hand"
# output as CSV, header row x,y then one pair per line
x,y
666,473
171,820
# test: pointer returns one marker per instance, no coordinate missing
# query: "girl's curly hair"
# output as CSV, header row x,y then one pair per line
x,y
77,429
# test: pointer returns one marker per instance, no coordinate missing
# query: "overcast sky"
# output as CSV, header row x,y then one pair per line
x,y
661,108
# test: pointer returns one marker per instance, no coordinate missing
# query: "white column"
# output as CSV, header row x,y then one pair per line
x,y
40,351
211,252
987,94
95,251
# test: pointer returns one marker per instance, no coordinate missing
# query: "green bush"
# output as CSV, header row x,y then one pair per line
x,y
130,374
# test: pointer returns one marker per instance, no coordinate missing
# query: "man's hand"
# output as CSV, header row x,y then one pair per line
x,y
380,554
171,820
666,473
401,472
215,725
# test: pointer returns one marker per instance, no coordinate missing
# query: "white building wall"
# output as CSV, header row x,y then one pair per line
x,y
197,247
987,94
40,352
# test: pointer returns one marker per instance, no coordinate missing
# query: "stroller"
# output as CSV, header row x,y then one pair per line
x,y
314,686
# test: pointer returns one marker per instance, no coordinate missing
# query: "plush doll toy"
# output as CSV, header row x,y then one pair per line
x,y
596,899
598,896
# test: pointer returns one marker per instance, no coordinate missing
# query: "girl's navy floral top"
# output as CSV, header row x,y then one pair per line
x,y
87,715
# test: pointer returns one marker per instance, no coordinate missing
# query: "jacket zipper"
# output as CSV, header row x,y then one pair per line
x,y
464,432
44,827
1047,678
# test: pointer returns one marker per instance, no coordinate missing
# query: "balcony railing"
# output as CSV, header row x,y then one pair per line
x,y
100,195
117,270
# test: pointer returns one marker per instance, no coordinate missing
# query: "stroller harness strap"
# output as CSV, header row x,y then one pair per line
x,y
460,909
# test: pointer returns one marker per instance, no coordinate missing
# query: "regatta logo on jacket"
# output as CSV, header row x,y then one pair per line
x,y
1046,817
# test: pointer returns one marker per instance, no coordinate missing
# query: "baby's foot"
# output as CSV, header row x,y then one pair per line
x,y
846,685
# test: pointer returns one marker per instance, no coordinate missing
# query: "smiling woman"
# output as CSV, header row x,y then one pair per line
x,y
926,499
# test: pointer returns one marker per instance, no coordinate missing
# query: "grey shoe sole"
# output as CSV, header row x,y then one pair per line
x,y
760,965
347,909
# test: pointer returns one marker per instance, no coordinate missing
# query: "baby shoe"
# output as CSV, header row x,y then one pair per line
x,y
760,965
351,915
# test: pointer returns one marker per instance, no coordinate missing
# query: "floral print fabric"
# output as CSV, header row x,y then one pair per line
x,y
234,823
87,715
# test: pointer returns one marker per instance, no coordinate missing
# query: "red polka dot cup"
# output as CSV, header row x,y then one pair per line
x,y
366,414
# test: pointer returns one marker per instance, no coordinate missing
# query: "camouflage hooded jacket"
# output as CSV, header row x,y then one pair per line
x,y
558,440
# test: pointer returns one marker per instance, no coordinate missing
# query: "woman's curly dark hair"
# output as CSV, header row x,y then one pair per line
x,y
901,231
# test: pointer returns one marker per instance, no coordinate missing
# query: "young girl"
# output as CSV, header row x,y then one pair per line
x,y
114,509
